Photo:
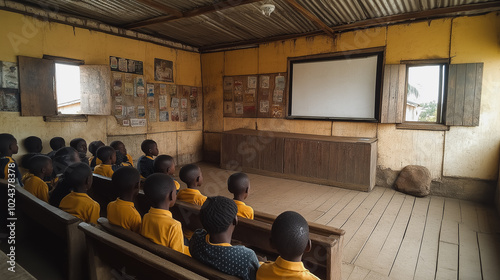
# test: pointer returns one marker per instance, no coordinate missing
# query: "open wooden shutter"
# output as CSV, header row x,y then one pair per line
x,y
95,87
393,93
463,98
37,86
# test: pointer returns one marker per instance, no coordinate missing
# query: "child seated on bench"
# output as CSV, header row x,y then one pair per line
x,y
290,237
119,146
63,158
191,175
40,167
55,144
78,203
93,146
211,245
33,146
239,185
8,166
145,163
122,212
158,224
80,145
165,164
108,157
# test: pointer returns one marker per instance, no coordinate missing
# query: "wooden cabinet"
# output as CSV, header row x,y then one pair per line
x,y
347,162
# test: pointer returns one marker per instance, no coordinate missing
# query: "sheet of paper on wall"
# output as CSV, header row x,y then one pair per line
x,y
163,70
194,115
150,90
252,82
131,111
163,89
264,81
9,77
276,111
175,115
279,83
184,103
141,111
119,99
131,66
126,123
194,103
238,86
238,108
117,83
137,122
9,100
228,83
138,67
113,63
228,107
264,106
128,89
162,102
152,115
139,86
194,93
122,64
151,101
278,96
164,116
172,89
228,95
184,115
119,111
175,102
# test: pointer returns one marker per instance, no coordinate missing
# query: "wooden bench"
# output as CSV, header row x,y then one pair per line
x,y
324,259
163,252
102,191
113,258
60,223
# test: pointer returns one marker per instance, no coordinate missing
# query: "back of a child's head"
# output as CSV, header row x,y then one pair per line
x,y
290,234
64,157
79,144
6,140
157,186
147,145
162,163
38,162
33,144
189,173
94,145
217,213
116,144
56,143
105,153
125,179
77,174
238,183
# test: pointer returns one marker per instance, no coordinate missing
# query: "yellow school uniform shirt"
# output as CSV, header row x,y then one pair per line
x,y
130,159
283,269
97,160
177,185
123,213
159,227
192,196
36,186
104,170
81,206
244,210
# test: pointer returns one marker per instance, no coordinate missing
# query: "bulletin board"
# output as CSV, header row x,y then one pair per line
x,y
255,96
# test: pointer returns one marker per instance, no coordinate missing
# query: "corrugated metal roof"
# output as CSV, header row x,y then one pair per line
x,y
231,21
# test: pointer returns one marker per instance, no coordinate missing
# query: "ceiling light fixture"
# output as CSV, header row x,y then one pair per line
x,y
267,9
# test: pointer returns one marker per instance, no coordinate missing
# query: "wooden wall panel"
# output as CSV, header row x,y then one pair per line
x,y
393,93
272,153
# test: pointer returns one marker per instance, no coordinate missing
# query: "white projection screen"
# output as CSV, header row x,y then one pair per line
x,y
342,87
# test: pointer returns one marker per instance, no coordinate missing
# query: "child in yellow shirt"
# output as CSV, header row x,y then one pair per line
x,y
158,224
40,167
78,203
165,164
93,146
122,212
191,175
239,185
119,146
108,157
290,237
9,170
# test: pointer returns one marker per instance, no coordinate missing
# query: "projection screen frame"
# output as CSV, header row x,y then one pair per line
x,y
379,52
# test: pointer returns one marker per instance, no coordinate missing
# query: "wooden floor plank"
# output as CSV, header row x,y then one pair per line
x,y
489,248
347,211
451,218
335,210
427,259
482,219
406,260
372,275
469,263
469,215
355,244
447,266
494,220
346,270
377,239
358,273
332,200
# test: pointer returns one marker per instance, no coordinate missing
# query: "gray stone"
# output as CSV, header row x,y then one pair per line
x,y
414,180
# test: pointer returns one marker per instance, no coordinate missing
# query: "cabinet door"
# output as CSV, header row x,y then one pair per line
x,y
307,158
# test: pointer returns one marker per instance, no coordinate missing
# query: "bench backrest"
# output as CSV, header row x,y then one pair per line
x,y
324,259
163,252
102,191
111,257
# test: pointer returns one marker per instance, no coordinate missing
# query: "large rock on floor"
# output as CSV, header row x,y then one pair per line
x,y
414,180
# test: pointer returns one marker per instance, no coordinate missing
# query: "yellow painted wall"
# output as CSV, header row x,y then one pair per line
x,y
23,35
470,152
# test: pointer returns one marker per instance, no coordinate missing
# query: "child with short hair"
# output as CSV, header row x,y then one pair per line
x,y
119,146
192,176
63,158
165,164
290,237
8,166
108,157
158,224
212,245
239,185
80,145
145,163
78,203
122,212
93,146
55,144
40,167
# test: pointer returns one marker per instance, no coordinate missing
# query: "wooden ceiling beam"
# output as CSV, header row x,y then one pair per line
x,y
219,6
310,16
162,8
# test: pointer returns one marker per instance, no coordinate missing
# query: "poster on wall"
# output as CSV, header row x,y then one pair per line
x,y
9,100
164,116
8,75
164,71
125,65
